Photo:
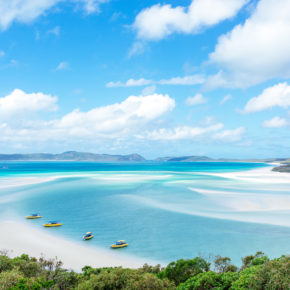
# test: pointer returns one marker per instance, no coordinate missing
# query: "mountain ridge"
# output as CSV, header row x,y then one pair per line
x,y
71,156
134,157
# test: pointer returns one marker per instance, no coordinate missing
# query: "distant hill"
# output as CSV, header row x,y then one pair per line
x,y
184,159
71,156
86,156
282,168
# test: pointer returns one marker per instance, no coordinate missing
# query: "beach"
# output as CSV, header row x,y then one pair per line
x,y
165,211
18,238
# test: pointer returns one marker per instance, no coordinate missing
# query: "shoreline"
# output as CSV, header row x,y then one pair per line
x,y
18,238
23,180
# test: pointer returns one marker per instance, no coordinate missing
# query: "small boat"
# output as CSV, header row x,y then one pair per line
x,y
88,236
119,244
53,224
34,216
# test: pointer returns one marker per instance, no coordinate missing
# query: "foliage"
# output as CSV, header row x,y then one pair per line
x,y
223,265
119,278
245,279
210,280
273,274
253,260
181,270
257,272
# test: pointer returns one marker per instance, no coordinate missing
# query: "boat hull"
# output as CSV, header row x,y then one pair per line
x,y
119,246
88,238
52,225
33,217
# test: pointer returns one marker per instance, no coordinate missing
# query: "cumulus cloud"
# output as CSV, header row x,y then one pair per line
x,y
256,50
230,135
198,99
18,103
277,95
276,122
182,133
119,120
127,121
26,11
159,21
183,81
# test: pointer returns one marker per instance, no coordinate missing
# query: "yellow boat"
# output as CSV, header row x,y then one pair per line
x,y
88,236
53,224
34,216
119,244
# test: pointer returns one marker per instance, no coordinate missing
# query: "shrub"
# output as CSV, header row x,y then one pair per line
x,y
245,279
210,280
273,275
181,270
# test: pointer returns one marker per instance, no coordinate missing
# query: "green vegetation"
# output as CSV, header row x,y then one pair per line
x,y
257,272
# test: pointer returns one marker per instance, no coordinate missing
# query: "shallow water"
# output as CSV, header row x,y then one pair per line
x,y
165,211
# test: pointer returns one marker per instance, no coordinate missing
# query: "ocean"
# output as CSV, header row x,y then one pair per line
x,y
165,211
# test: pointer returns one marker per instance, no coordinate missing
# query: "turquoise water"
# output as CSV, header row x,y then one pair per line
x,y
165,211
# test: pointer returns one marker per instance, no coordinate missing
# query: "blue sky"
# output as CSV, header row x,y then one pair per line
x,y
188,77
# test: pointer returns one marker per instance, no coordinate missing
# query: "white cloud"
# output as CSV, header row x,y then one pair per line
x,y
130,83
18,103
149,90
230,135
2,53
55,31
91,6
116,121
126,122
118,118
257,50
182,133
225,99
137,48
26,11
62,66
278,95
159,21
185,81
198,99
276,122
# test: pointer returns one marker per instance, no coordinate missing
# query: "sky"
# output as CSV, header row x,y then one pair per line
x,y
158,78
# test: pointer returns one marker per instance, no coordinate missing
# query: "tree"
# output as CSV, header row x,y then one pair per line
x,y
119,278
245,279
5,263
273,275
10,279
223,265
253,260
209,280
181,270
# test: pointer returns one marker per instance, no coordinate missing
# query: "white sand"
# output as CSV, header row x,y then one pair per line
x,y
19,238
260,175
7,182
